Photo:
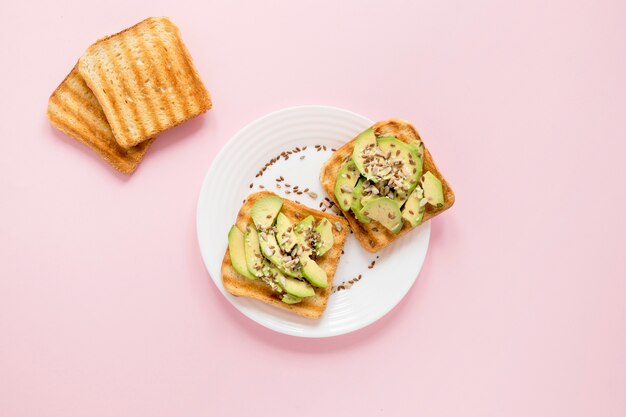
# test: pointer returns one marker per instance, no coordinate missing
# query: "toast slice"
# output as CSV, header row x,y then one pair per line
x,y
144,79
74,110
372,236
311,307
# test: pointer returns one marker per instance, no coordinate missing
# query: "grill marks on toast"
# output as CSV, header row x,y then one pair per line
x,y
154,83
156,80
71,110
125,92
74,110
130,60
172,96
172,99
97,115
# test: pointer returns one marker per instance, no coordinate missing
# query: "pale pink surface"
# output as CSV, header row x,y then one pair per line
x,y
106,308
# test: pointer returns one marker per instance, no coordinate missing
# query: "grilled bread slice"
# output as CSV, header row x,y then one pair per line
x,y
74,110
372,236
144,79
311,307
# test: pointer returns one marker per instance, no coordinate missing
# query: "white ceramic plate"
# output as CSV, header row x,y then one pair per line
x,y
227,183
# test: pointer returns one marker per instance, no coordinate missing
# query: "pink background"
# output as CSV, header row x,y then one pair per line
x,y
106,308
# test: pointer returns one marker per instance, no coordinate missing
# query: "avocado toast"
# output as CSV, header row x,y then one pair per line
x,y
386,183
283,253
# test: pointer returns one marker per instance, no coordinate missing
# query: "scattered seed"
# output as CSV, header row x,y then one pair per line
x,y
261,186
312,194
302,157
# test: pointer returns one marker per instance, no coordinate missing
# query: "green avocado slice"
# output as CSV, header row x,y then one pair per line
x,y
237,252
433,190
301,230
385,211
347,177
365,140
284,233
291,299
413,210
327,240
313,272
254,258
411,164
271,250
357,205
265,210
298,288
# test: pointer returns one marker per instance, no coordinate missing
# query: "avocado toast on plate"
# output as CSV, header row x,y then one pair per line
x,y
386,183
283,253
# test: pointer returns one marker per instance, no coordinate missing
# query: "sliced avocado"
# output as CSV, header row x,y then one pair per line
x,y
347,177
313,272
265,210
411,164
325,230
433,190
357,205
418,145
284,230
413,210
365,140
366,199
301,231
277,279
237,252
298,288
291,299
254,258
271,250
385,211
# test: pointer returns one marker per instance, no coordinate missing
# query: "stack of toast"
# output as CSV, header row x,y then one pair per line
x,y
126,89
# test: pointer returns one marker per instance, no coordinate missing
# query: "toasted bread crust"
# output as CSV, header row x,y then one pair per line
x,y
311,307
373,236
145,80
74,110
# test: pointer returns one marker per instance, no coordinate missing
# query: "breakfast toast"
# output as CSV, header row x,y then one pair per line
x,y
74,110
145,80
311,306
372,236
